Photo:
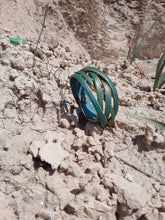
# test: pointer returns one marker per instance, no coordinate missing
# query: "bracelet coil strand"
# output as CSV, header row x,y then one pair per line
x,y
95,94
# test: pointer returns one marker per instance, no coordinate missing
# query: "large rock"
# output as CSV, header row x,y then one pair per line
x,y
51,152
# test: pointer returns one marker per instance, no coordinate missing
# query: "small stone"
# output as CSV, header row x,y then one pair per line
x,y
13,74
15,170
74,119
24,85
78,143
137,97
18,63
3,44
92,130
162,209
73,207
91,141
152,215
79,132
162,191
27,162
109,153
34,147
5,61
128,177
53,43
161,215
46,214
97,156
69,168
155,135
156,186
64,123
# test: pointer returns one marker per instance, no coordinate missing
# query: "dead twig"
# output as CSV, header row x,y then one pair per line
x,y
138,169
43,25
43,131
122,149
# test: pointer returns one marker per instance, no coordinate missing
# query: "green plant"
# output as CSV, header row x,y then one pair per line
x,y
132,45
158,124
134,48
160,75
43,25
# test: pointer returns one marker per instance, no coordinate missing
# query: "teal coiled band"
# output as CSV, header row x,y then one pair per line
x,y
95,94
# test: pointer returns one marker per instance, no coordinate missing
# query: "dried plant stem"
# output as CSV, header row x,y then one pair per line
x,y
43,25
140,170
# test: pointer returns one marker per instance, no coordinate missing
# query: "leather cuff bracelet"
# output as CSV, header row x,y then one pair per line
x,y
95,94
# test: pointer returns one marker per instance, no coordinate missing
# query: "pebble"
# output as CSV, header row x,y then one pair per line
x,y
15,170
162,191
13,74
129,177
64,123
91,141
47,214
18,63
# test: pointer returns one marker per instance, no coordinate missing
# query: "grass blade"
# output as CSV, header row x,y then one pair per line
x,y
138,48
161,64
43,25
159,69
147,120
161,81
134,39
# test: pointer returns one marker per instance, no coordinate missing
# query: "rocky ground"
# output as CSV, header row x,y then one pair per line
x,y
54,164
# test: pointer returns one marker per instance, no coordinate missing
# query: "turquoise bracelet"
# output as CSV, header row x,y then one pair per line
x,y
95,94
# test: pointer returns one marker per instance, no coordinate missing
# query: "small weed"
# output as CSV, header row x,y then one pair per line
x,y
134,48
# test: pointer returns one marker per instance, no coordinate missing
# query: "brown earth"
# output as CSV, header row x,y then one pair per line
x,y
54,164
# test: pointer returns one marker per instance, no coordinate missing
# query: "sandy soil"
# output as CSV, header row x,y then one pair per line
x,y
54,164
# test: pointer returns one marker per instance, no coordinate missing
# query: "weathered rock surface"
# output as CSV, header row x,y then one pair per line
x,y
56,185
54,164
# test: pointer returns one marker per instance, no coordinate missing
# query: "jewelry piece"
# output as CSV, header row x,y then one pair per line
x,y
95,94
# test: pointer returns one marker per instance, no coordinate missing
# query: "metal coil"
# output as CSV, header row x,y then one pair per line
x,y
95,94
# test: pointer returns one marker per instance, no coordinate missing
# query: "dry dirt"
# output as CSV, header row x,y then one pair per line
x,y
54,164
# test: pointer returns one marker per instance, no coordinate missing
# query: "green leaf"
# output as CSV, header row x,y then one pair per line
x,y
161,81
159,76
134,39
161,64
138,48
147,120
